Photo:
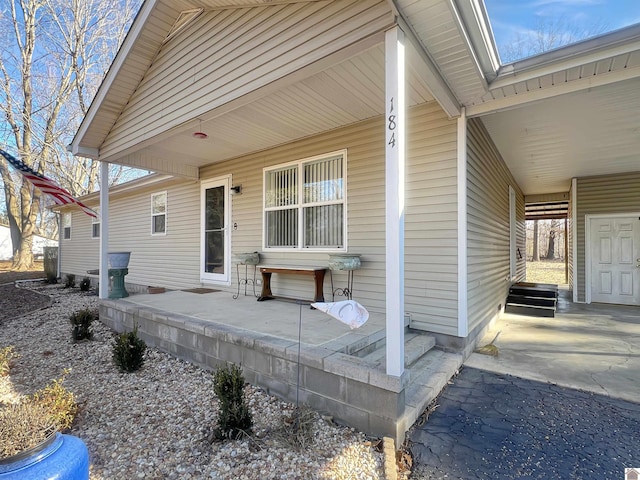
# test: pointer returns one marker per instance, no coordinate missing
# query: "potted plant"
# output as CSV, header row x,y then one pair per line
x,y
32,447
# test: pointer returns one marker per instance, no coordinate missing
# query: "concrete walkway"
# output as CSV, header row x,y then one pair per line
x,y
588,347
551,405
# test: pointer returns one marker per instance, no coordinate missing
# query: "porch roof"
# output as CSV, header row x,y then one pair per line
x,y
566,113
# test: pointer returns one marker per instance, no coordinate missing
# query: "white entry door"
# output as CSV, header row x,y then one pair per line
x,y
215,248
615,259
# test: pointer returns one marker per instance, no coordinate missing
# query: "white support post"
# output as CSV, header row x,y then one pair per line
x,y
394,198
463,321
104,230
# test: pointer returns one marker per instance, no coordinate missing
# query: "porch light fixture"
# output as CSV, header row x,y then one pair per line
x,y
235,190
200,135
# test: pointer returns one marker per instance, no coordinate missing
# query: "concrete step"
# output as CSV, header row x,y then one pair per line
x,y
544,286
530,310
415,346
427,378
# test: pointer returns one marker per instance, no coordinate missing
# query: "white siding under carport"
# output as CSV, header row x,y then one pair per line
x,y
619,193
488,254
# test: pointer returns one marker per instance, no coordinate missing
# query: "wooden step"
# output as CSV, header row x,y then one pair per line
x,y
530,310
534,301
533,292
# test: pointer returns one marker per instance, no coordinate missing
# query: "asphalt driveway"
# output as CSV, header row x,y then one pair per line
x,y
561,400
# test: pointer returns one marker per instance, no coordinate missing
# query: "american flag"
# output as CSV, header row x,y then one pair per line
x,y
59,195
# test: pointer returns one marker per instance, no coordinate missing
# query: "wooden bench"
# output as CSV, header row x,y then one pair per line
x,y
316,272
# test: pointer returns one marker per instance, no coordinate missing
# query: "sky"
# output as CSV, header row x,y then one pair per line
x,y
514,21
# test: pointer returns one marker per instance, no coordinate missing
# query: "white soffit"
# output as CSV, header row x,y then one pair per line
x,y
347,93
585,133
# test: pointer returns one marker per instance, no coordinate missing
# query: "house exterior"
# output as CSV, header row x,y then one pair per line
x,y
6,248
388,129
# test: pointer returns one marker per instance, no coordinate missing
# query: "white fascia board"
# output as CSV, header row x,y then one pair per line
x,y
594,50
475,27
134,32
514,101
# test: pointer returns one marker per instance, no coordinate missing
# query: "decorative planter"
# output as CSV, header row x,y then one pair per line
x,y
63,457
344,261
252,258
119,259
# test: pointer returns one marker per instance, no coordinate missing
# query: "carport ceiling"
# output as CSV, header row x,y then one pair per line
x,y
587,133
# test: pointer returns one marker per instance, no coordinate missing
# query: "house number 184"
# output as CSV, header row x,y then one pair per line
x,y
391,125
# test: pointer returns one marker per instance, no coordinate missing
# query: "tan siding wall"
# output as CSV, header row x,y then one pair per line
x,y
231,52
570,233
170,260
488,227
431,223
80,252
430,219
599,195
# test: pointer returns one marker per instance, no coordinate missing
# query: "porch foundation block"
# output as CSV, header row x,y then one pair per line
x,y
348,388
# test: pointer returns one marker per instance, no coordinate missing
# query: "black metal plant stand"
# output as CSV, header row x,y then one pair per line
x,y
346,291
246,280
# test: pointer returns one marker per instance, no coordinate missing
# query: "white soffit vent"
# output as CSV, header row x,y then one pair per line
x,y
184,19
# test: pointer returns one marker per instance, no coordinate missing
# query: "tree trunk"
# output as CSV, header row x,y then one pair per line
x,y
536,252
551,252
23,256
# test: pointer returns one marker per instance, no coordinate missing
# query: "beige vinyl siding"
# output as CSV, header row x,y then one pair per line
x,y
488,181
430,219
431,222
79,253
570,232
618,193
171,260
230,52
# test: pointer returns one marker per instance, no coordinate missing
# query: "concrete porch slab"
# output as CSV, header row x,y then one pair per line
x,y
334,376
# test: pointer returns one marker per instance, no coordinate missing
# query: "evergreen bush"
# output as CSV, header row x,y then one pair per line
x,y
234,417
81,322
128,351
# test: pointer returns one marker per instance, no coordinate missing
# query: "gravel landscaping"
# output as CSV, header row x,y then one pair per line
x,y
156,423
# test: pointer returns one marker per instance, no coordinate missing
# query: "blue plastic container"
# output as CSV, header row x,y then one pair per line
x,y
62,457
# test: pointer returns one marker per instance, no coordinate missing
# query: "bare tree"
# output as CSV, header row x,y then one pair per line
x,y
53,55
548,34
536,250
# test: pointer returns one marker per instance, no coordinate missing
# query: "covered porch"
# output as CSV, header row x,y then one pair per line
x,y
339,370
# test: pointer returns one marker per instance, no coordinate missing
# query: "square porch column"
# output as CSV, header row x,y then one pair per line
x,y
104,230
394,197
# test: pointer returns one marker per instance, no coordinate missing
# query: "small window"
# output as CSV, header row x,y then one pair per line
x,y
305,204
159,213
95,227
66,226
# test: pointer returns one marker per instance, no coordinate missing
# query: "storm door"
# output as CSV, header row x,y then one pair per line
x,y
215,248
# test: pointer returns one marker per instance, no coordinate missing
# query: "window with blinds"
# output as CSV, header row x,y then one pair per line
x,y
304,204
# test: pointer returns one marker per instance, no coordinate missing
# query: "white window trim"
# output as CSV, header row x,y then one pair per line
x,y
166,211
300,247
66,216
95,221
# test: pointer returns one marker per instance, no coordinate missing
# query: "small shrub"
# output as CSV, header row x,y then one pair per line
x,y
59,402
128,351
52,278
81,322
7,355
298,428
234,417
23,426
85,284
69,280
